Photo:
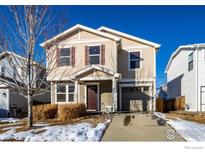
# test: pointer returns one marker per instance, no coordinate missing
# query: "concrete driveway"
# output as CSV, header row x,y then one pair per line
x,y
137,127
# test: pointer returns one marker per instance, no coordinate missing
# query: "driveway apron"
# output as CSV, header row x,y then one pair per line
x,y
139,127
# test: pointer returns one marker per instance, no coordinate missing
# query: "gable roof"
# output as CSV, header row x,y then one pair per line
x,y
95,67
7,53
129,36
78,26
14,55
179,49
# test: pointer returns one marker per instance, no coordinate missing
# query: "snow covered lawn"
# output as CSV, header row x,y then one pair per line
x,y
77,132
8,120
190,131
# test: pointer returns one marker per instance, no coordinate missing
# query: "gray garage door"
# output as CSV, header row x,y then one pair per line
x,y
135,98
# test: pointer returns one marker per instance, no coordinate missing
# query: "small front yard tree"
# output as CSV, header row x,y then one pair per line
x,y
22,29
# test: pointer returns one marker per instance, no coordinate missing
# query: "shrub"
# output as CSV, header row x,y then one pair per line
x,y
46,111
68,112
64,112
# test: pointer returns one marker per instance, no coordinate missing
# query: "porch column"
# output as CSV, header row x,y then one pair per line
x,y
114,94
76,92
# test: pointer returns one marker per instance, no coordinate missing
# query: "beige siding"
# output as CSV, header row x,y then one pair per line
x,y
93,74
148,64
73,36
82,93
145,72
62,73
53,94
105,94
127,42
84,35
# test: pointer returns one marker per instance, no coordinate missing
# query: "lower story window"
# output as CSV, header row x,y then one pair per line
x,y
61,93
146,89
65,92
71,90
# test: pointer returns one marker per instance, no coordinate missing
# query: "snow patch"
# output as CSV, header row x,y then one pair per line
x,y
9,120
40,124
77,133
190,131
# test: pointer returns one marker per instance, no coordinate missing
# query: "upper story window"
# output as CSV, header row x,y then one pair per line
x,y
134,60
190,62
23,73
65,57
14,73
2,71
65,92
94,54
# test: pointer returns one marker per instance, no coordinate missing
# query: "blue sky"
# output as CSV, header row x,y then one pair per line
x,y
169,26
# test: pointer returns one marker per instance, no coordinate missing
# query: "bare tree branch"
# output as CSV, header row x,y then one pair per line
x,y
20,34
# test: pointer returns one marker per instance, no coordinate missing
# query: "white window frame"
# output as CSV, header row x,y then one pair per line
x,y
133,69
15,71
23,74
56,92
2,72
66,56
93,45
66,92
189,61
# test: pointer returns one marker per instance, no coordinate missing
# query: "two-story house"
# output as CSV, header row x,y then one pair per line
x,y
12,73
104,68
186,75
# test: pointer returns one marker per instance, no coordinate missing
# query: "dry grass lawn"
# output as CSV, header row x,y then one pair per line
x,y
93,119
190,116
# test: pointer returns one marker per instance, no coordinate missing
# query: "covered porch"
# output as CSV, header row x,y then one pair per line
x,y
96,86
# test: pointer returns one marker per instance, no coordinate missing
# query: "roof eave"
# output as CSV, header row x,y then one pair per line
x,y
155,45
80,27
176,52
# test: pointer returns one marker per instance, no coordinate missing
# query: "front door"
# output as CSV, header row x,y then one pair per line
x,y
92,97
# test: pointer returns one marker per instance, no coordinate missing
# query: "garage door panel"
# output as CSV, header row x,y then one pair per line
x,y
133,100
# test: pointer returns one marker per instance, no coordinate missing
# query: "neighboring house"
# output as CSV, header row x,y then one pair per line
x,y
11,69
162,91
186,75
105,69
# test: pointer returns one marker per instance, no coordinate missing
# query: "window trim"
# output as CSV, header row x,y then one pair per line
x,y
3,72
60,92
66,92
14,74
192,61
66,56
134,69
93,45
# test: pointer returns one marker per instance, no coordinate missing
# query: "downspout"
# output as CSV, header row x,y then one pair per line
x,y
154,83
114,81
197,81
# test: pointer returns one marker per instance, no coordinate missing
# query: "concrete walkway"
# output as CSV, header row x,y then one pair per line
x,y
137,127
